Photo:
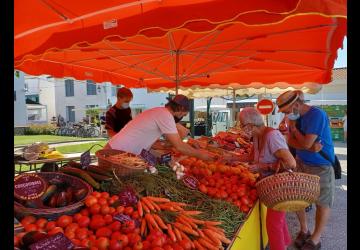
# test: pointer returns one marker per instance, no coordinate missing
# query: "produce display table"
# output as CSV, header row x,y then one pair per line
x,y
33,164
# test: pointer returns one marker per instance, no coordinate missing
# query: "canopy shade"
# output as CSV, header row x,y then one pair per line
x,y
267,42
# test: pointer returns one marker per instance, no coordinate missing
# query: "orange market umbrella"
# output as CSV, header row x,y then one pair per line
x,y
286,41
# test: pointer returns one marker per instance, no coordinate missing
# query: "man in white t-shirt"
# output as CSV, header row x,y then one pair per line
x,y
146,128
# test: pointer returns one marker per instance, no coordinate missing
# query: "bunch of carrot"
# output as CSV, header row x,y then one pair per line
x,y
201,233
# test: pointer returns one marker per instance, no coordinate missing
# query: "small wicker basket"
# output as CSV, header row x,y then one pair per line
x,y
289,191
54,213
119,169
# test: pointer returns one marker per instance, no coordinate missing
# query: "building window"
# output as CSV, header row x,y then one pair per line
x,y
90,87
70,113
34,98
114,91
69,87
91,106
14,96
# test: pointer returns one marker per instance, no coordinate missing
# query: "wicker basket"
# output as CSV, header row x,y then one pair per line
x,y
54,213
289,191
119,169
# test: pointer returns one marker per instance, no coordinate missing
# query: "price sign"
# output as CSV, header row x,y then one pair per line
x,y
122,217
57,242
148,157
190,181
85,159
29,186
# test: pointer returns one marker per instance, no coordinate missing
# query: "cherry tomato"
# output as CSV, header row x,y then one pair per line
x,y
90,200
102,243
102,201
95,209
81,233
96,194
30,227
112,211
28,220
55,230
103,232
120,209
77,216
244,208
71,227
245,200
105,209
84,221
115,226
129,210
108,219
96,223
64,220
85,212
50,225
105,195
70,234
85,243
41,223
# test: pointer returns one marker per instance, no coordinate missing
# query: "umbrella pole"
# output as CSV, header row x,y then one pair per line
x,y
208,121
177,72
234,108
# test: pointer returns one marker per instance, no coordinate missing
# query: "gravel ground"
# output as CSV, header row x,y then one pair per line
x,y
334,237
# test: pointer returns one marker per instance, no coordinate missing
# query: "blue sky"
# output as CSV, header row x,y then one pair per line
x,y
342,56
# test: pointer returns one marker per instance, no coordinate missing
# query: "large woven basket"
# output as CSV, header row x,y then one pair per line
x,y
119,169
289,191
54,213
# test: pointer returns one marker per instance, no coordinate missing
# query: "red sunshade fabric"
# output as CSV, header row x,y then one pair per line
x,y
293,48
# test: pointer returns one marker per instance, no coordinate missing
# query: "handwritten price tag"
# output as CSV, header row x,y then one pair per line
x,y
190,181
57,242
85,159
148,157
29,186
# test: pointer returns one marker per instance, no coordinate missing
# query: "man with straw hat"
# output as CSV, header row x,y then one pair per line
x,y
313,130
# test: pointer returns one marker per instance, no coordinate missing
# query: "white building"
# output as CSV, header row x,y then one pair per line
x,y
20,115
71,98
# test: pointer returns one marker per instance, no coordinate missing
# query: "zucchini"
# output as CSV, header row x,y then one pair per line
x,y
49,192
81,174
99,177
99,170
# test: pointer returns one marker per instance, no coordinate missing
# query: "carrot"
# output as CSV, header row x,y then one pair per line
x,y
148,204
140,209
199,222
178,208
188,220
200,232
212,236
186,229
182,221
143,226
207,244
184,236
216,229
189,212
198,246
150,219
151,228
213,223
177,234
171,233
157,199
159,221
179,204
154,205
146,209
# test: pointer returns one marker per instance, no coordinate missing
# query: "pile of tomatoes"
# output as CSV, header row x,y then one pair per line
x,y
95,228
228,186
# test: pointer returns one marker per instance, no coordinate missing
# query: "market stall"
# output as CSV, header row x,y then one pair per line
x,y
187,203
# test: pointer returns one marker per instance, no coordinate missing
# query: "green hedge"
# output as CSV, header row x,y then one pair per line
x,y
40,129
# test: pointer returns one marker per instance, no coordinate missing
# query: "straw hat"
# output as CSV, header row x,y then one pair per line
x,y
286,99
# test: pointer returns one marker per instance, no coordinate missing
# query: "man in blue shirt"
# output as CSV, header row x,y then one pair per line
x,y
312,136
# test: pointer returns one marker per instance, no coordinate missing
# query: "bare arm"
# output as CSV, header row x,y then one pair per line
x,y
186,149
286,158
111,132
305,142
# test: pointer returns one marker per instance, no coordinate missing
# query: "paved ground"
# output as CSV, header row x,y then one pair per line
x,y
334,237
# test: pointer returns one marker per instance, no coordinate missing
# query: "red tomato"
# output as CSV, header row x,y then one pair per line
x,y
17,241
41,223
50,225
103,232
102,243
241,192
28,220
211,192
223,194
186,244
84,221
203,188
70,234
85,212
96,194
244,208
167,247
105,209
76,242
146,245
128,226
112,210
129,210
102,201
64,220
138,246
121,239
95,209
55,230
30,227
120,209
108,219
85,243
245,200
105,195
77,216
90,200
71,227
116,234
81,233
135,215
115,197
96,223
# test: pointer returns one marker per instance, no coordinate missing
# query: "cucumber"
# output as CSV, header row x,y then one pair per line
x,y
48,193
99,170
81,174
99,177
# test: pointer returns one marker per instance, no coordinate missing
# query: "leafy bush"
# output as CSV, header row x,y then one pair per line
x,y
40,129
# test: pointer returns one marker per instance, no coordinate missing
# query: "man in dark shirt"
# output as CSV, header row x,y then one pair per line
x,y
119,114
